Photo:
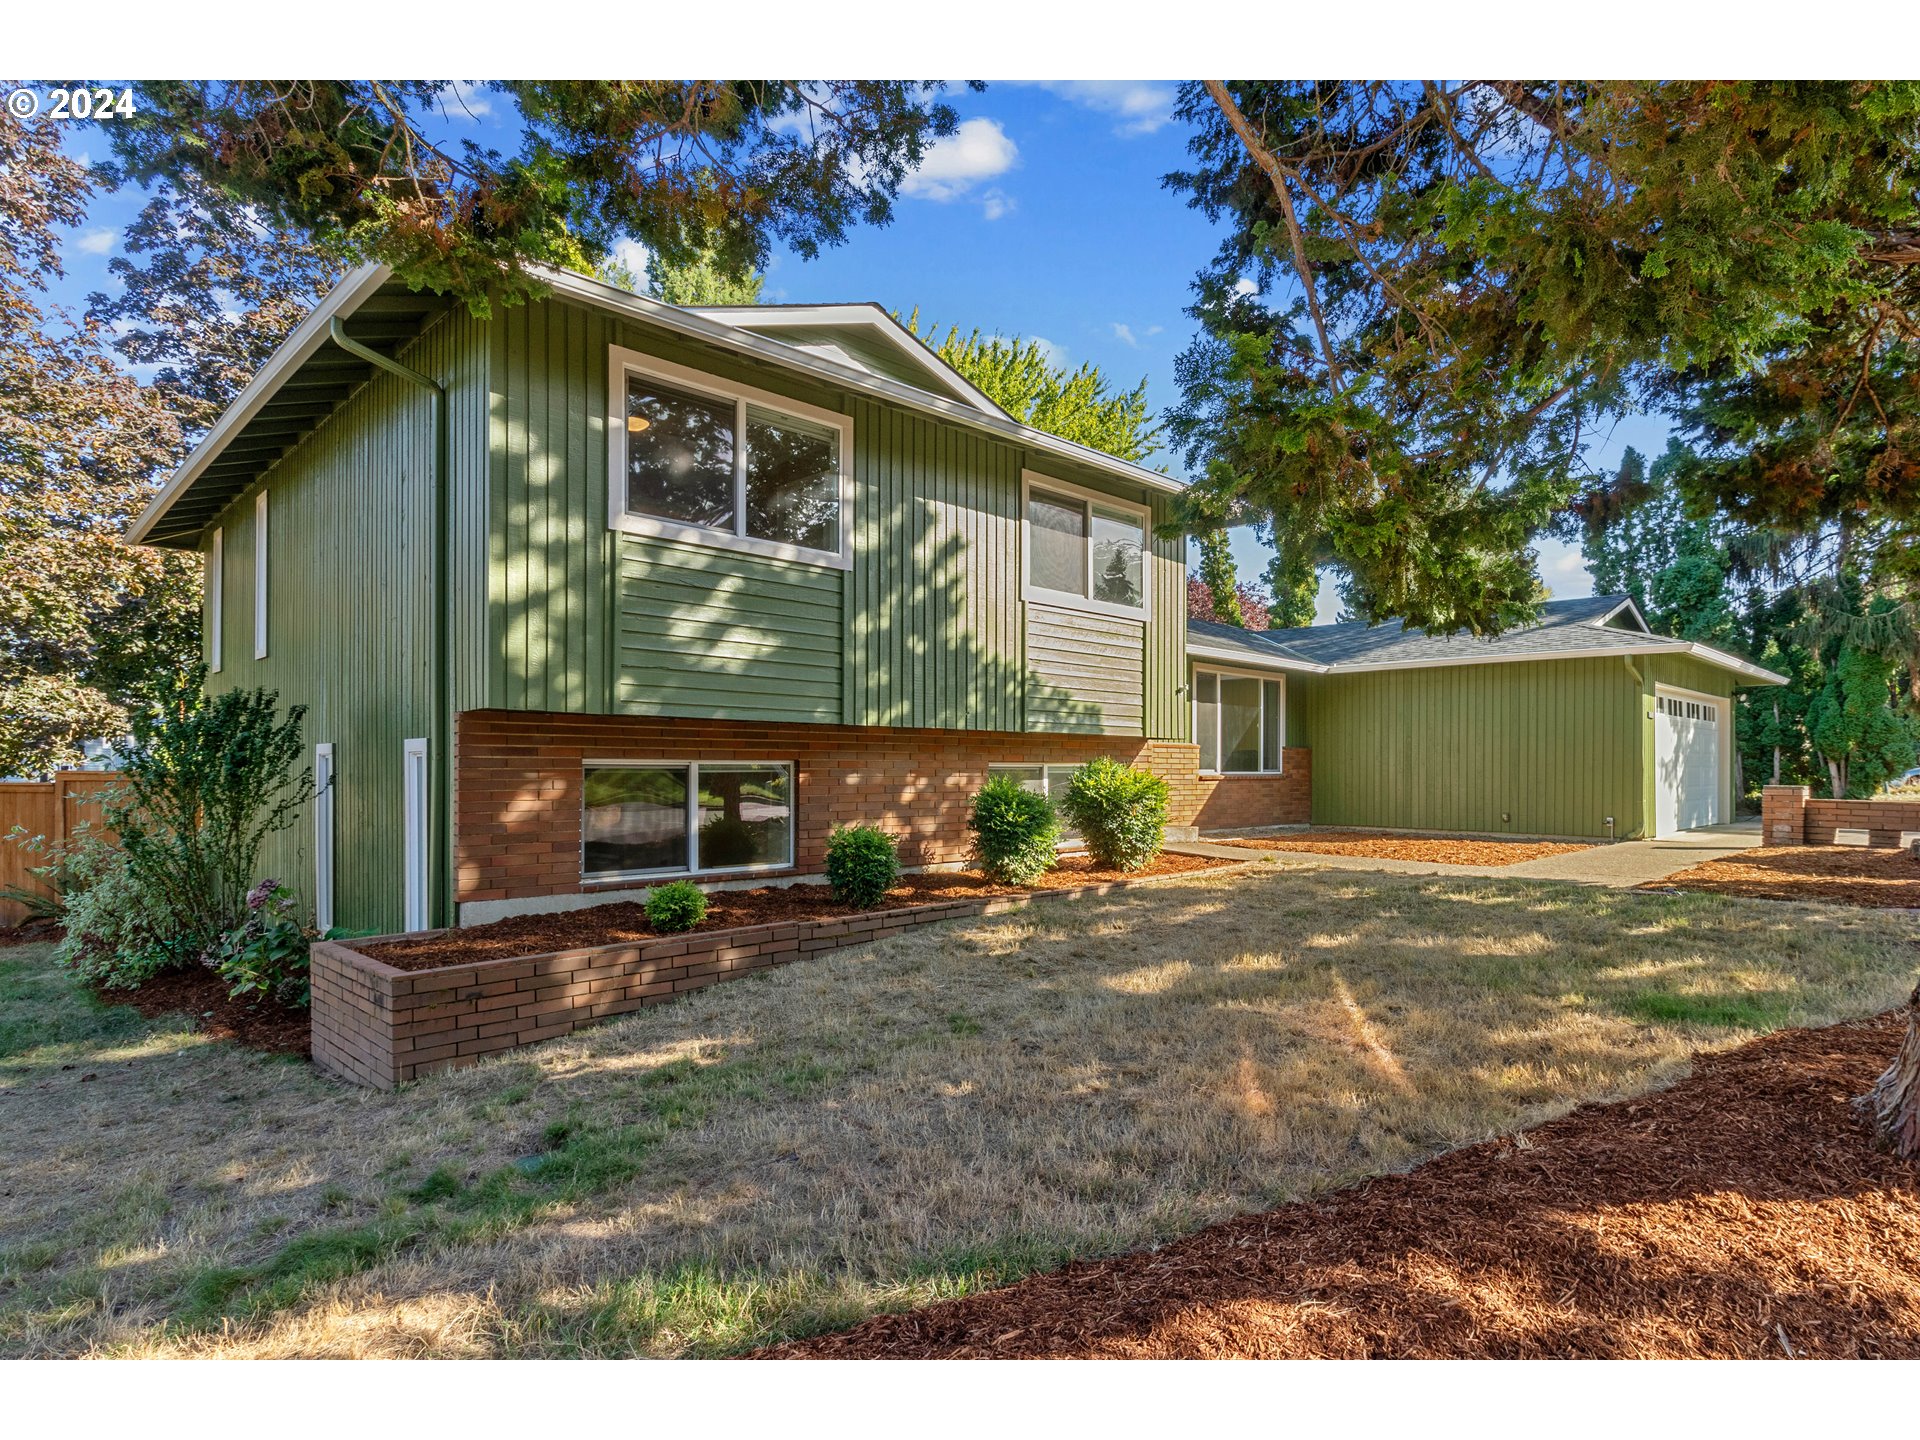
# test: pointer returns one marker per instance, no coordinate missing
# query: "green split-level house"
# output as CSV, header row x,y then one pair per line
x,y
599,590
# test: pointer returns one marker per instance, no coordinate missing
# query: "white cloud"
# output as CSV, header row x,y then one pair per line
x,y
955,164
1564,569
1124,334
97,242
995,203
632,254
1139,107
1055,355
1244,286
468,101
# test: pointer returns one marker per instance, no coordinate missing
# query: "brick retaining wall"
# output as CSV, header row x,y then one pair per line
x,y
1790,816
379,1026
519,776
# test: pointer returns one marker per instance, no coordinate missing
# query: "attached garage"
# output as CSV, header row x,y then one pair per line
x,y
1585,725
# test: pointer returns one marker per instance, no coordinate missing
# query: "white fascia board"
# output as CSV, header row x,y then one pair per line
x,y
867,316
789,357
1227,655
1669,647
304,339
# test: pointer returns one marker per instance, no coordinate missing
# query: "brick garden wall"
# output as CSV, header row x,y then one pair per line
x,y
517,788
378,1026
1790,816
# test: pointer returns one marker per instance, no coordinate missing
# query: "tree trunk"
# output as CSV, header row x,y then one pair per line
x,y
1892,1107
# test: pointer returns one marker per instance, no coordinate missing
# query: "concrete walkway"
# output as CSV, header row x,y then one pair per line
x,y
1622,865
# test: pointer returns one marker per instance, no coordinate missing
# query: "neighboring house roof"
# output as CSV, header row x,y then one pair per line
x,y
798,325
307,377
1596,625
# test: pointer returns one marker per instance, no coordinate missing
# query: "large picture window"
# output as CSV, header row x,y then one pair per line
x,y
697,459
1085,551
1239,722
655,819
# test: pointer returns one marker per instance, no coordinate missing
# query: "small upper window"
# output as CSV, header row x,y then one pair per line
x,y
698,461
1086,551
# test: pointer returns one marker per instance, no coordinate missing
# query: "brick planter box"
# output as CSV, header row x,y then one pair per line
x,y
1790,816
377,1025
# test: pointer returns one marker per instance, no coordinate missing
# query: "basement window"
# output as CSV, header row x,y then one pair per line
x,y
1239,722
702,460
650,818
1048,780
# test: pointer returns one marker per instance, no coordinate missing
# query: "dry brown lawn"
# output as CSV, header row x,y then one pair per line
x,y
932,1115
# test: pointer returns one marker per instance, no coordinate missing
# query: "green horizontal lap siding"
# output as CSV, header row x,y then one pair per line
x,y
1553,745
712,633
1087,673
348,602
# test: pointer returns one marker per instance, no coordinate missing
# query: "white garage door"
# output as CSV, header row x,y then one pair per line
x,y
1686,751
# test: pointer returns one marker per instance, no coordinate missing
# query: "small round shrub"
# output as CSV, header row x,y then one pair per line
x,y
1121,812
862,864
679,905
1015,832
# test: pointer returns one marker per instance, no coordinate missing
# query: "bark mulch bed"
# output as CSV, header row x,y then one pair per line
x,y
624,922
1837,874
202,996
1741,1213
1433,849
31,932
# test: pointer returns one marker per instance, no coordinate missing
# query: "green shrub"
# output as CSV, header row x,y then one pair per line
x,y
1121,812
266,954
1015,832
676,906
862,864
208,779
118,932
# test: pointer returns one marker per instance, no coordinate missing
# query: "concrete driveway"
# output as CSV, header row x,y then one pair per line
x,y
1623,864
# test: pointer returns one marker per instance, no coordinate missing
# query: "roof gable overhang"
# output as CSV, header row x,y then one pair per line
x,y
303,382
865,317
307,377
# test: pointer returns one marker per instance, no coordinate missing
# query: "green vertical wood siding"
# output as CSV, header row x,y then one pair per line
x,y
1088,673
350,627
1534,747
1169,713
931,626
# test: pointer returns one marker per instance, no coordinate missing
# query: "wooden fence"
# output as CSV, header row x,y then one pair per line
x,y
53,808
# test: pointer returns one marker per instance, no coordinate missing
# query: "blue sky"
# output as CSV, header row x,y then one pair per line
x,y
1044,217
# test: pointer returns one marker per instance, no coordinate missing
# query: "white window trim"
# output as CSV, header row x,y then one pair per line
x,y
1031,480
260,576
1723,724
323,782
1240,673
216,587
622,363
692,767
414,782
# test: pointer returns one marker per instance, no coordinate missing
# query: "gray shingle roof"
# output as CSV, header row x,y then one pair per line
x,y
1565,627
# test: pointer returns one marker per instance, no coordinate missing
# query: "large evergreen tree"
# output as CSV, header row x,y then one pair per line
x,y
688,167
1429,293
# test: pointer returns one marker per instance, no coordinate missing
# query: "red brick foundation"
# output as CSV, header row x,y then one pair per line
x,y
378,1026
518,780
1788,816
